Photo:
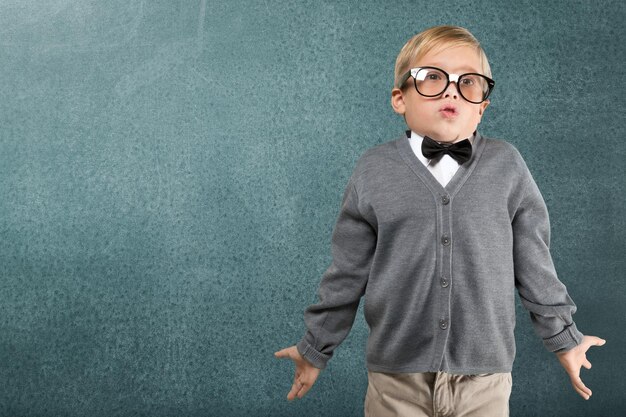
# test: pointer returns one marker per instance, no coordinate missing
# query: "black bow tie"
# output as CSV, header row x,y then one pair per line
x,y
460,151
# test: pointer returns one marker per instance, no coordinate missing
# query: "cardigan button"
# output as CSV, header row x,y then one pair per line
x,y
445,199
445,240
443,324
444,282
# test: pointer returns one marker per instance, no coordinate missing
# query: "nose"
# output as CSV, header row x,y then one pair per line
x,y
451,90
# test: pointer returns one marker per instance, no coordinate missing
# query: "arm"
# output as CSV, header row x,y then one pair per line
x,y
539,288
329,321
542,293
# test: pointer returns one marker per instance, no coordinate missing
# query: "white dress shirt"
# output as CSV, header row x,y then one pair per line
x,y
444,169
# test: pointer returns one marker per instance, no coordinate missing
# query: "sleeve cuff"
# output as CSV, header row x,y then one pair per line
x,y
316,358
569,338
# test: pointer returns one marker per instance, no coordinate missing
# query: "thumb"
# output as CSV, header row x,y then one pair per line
x,y
288,352
589,341
599,342
283,353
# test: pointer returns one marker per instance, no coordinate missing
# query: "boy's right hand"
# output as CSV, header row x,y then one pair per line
x,y
306,373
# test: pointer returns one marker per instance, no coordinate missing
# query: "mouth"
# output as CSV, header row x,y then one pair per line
x,y
449,110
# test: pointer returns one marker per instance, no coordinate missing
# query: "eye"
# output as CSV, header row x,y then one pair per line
x,y
430,74
467,81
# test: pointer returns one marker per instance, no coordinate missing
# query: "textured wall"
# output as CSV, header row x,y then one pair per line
x,y
170,173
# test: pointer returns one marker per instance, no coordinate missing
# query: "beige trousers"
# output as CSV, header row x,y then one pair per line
x,y
437,394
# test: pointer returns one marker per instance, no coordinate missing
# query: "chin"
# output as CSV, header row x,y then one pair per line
x,y
447,137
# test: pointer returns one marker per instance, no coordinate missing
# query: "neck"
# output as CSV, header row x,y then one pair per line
x,y
447,140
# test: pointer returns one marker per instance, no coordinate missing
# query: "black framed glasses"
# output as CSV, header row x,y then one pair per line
x,y
432,81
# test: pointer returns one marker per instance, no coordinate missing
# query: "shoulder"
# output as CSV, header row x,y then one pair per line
x,y
504,153
502,147
378,157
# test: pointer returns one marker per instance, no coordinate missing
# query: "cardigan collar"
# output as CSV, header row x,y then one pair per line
x,y
452,187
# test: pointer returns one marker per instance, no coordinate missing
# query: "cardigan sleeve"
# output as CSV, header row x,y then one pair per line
x,y
539,288
343,283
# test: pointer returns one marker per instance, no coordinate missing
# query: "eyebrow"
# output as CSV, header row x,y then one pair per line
x,y
463,68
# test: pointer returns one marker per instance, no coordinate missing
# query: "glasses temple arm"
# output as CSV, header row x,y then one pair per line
x,y
403,79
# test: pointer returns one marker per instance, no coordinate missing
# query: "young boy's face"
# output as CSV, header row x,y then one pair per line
x,y
423,114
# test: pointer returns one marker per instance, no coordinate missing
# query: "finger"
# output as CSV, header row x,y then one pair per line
x,y
587,364
295,388
578,383
305,388
580,392
292,393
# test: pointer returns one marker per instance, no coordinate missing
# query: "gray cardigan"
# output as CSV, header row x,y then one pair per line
x,y
438,266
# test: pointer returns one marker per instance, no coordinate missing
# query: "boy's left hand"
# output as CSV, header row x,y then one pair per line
x,y
574,358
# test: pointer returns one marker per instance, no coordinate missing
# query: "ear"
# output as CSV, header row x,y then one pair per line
x,y
483,106
397,101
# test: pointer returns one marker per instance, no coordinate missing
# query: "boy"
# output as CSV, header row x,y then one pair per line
x,y
436,230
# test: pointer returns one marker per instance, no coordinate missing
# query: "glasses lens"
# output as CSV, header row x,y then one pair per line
x,y
430,82
474,87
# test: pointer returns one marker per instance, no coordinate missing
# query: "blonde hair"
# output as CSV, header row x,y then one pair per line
x,y
432,38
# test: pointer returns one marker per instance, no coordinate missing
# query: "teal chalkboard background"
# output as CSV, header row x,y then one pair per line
x,y
171,171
